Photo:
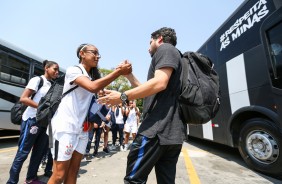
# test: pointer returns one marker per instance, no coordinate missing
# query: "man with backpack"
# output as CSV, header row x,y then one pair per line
x,y
161,134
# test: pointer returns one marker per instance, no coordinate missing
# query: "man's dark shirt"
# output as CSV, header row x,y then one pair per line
x,y
162,117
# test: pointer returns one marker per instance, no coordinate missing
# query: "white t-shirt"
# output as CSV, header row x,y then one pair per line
x,y
119,118
73,108
33,84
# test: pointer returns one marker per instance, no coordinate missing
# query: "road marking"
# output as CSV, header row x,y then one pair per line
x,y
10,137
7,150
193,177
198,153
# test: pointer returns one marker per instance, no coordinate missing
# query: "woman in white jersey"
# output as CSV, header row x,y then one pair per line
x,y
131,124
70,140
32,135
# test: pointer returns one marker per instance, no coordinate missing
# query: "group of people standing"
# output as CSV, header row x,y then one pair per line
x,y
122,120
158,141
127,120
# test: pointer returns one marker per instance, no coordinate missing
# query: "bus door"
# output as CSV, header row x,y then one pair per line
x,y
271,33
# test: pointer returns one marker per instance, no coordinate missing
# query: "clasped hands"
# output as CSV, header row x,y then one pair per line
x,y
113,97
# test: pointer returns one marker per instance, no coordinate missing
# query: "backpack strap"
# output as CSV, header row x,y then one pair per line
x,y
50,115
39,86
70,90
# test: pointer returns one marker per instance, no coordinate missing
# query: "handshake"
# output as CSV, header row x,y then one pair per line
x,y
124,67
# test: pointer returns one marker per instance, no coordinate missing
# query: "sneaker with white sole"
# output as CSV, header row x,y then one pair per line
x,y
125,147
112,147
87,157
121,148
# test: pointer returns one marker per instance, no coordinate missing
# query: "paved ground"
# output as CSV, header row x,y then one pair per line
x,y
199,162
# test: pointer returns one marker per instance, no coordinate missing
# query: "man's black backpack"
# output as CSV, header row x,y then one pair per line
x,y
200,94
19,108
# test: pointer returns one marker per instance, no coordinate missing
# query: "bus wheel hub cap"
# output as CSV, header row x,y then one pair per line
x,y
262,147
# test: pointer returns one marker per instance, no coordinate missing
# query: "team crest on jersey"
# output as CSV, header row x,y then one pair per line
x,y
33,129
69,149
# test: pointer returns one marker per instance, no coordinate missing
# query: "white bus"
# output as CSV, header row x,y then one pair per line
x,y
247,52
16,68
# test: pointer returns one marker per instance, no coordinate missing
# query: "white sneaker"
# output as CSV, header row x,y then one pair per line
x,y
125,147
121,148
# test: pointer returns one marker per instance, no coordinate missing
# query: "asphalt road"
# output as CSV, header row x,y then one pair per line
x,y
199,162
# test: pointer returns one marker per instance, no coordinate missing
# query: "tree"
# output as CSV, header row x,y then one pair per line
x,y
120,84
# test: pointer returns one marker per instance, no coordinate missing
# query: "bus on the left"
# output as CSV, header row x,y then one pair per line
x,y
17,67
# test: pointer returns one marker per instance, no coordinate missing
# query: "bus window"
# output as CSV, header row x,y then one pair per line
x,y
14,71
275,42
38,69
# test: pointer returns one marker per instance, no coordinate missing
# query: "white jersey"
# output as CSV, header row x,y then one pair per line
x,y
73,108
132,117
33,84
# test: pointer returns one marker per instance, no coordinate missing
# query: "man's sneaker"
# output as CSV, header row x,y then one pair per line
x,y
106,150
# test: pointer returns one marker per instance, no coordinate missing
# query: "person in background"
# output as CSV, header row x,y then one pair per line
x,y
106,129
32,135
131,124
119,112
69,137
97,129
162,132
138,114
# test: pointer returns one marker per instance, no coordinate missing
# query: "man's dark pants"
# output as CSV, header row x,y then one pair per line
x,y
147,153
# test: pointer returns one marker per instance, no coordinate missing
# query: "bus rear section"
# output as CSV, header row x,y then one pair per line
x,y
17,67
247,53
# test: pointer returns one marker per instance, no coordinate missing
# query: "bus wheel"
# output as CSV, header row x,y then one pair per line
x,y
260,145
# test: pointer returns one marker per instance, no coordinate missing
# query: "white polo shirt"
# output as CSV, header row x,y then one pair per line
x,y
33,84
73,108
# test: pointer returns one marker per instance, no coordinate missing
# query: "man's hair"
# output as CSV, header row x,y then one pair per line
x,y
168,34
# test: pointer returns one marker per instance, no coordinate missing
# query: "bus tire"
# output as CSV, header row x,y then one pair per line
x,y
260,145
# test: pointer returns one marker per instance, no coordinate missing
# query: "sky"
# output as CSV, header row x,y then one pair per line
x,y
120,29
